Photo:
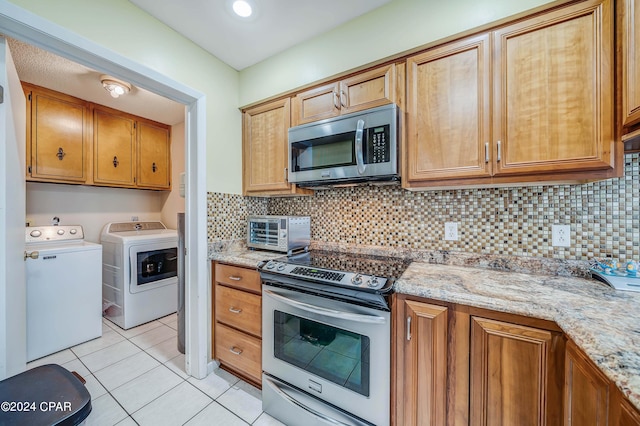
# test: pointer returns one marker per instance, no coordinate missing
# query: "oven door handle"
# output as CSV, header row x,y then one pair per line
x,y
274,386
333,313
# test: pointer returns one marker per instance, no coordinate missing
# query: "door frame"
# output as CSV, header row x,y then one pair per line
x,y
20,24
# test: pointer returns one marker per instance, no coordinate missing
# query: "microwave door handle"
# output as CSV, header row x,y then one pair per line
x,y
359,152
333,313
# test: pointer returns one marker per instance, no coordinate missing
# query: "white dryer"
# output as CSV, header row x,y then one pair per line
x,y
139,272
63,289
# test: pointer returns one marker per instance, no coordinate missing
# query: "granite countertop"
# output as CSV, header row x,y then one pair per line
x,y
603,322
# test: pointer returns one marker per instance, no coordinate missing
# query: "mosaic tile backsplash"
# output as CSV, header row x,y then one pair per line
x,y
604,217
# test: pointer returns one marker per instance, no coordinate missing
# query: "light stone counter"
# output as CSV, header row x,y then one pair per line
x,y
604,322
247,258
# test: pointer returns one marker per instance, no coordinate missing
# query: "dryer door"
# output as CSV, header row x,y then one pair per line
x,y
153,265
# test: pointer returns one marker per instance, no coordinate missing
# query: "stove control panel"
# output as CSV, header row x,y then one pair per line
x,y
339,278
37,234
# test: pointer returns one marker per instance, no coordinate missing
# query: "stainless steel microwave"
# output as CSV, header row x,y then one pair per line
x,y
349,149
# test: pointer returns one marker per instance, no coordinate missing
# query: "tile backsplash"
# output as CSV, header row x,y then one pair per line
x,y
604,217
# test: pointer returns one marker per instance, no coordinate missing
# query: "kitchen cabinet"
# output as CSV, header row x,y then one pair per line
x,y
361,91
114,147
629,12
586,391
237,325
549,118
627,415
264,150
58,142
154,155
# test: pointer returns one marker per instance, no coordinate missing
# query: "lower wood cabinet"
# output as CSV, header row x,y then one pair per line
x,y
237,320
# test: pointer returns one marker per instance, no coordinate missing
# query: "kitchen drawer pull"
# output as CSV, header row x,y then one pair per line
x,y
235,310
408,328
235,351
234,278
60,154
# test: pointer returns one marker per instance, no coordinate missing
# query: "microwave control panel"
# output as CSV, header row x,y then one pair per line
x,y
378,146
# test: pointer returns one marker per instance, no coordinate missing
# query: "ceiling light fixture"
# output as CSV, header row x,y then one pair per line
x,y
114,86
242,8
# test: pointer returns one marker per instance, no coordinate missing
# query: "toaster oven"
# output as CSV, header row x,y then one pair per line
x,y
279,233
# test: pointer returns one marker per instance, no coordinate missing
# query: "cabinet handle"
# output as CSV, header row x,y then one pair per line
x,y
336,103
235,278
235,310
486,152
60,154
115,161
499,157
286,174
235,350
408,328
154,167
343,99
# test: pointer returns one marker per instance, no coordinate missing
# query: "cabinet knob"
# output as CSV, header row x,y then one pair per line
x,y
115,161
154,167
60,154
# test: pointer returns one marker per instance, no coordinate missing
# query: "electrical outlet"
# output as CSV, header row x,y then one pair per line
x,y
561,235
451,231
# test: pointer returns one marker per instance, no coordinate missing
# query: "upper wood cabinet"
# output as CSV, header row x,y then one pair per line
x,y
57,136
629,11
264,150
553,102
114,147
550,116
154,155
365,90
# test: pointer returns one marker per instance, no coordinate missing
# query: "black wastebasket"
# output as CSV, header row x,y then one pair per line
x,y
45,395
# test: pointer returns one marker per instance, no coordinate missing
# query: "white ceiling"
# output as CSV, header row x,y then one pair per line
x,y
42,68
278,24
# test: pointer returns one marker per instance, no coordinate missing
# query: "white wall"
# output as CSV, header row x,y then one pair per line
x,y
398,26
171,202
122,27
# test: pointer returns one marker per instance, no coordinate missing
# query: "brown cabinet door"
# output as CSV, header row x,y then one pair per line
x,y
509,374
422,384
448,124
239,351
114,144
239,309
316,104
586,392
154,150
59,137
629,416
631,62
368,89
265,136
553,83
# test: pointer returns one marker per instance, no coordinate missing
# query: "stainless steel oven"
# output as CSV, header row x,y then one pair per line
x,y
326,342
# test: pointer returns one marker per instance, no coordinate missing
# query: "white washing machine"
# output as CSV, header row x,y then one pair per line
x,y
139,272
64,276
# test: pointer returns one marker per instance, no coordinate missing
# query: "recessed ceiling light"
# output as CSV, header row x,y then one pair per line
x,y
242,8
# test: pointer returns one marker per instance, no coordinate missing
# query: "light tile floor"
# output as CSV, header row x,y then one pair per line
x,y
136,377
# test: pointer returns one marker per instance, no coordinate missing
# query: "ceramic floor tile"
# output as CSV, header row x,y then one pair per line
x,y
56,358
103,358
153,337
267,420
108,338
136,330
169,318
243,400
221,415
125,370
177,366
140,391
94,387
216,383
175,407
77,366
105,411
164,351
127,422
172,324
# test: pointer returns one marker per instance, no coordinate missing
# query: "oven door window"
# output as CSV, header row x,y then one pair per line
x,y
337,355
156,265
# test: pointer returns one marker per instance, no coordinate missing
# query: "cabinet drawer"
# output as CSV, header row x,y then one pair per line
x,y
239,350
239,309
238,277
